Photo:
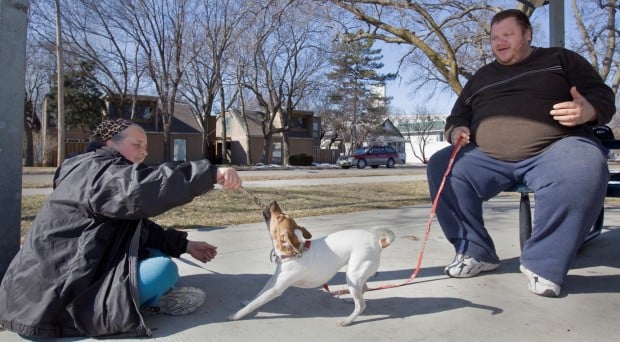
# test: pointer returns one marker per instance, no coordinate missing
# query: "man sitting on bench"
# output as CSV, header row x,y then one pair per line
x,y
525,118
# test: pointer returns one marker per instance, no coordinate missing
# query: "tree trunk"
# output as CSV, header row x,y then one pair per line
x,y
223,111
44,124
29,149
266,149
285,147
205,141
167,142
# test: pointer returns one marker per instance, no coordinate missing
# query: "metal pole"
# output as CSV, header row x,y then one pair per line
x,y
556,23
13,25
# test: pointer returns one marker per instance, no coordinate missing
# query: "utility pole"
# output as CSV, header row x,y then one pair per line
x,y
556,23
556,17
60,120
13,25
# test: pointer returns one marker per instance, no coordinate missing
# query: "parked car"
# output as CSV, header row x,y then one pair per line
x,y
373,156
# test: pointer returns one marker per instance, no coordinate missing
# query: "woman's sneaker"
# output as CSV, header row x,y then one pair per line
x,y
465,266
540,285
179,301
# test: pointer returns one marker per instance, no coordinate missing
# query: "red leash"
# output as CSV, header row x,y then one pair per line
x,y
457,147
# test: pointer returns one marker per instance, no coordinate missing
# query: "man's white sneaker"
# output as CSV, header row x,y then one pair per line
x,y
539,285
179,301
465,266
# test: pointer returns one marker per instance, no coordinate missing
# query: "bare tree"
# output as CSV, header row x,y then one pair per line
x,y
287,58
40,66
160,30
419,130
449,39
598,37
31,125
96,34
220,27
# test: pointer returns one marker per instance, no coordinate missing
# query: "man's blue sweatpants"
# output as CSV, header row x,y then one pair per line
x,y
569,180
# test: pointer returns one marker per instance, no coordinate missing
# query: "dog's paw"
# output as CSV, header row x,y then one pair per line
x,y
344,323
233,317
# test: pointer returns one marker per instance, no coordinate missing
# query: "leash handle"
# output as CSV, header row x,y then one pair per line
x,y
455,151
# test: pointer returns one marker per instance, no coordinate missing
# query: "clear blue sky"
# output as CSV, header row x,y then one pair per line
x,y
403,93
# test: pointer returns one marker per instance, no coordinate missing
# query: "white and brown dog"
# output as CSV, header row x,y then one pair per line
x,y
312,263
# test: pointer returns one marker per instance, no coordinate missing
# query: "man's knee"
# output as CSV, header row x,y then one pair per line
x,y
438,162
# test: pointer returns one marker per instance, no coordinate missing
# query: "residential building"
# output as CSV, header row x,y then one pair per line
x,y
185,135
423,135
389,135
245,140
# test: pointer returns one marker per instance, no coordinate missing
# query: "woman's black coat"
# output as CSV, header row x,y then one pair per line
x,y
76,271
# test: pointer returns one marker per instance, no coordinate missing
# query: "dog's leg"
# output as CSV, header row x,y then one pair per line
x,y
273,289
268,285
357,294
358,272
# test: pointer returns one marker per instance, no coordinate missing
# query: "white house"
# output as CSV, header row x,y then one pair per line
x,y
423,135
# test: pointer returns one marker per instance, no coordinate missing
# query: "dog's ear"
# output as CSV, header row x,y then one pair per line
x,y
305,232
292,241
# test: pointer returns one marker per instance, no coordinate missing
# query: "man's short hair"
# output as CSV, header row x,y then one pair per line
x,y
522,19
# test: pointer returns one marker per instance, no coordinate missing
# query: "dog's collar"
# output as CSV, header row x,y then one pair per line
x,y
283,258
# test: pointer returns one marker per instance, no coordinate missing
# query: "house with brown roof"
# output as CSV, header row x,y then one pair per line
x,y
185,135
245,139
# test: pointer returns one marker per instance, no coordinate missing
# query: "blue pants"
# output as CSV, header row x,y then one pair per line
x,y
157,274
569,180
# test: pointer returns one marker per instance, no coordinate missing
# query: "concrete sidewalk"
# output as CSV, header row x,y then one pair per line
x,y
494,306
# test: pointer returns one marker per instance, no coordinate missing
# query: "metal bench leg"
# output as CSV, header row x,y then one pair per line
x,y
596,228
525,222
525,219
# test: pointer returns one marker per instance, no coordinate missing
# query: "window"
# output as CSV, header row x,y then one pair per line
x,y
276,155
298,123
143,111
315,130
228,125
180,150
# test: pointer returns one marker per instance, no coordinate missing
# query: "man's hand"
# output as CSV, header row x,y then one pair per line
x,y
228,178
575,112
459,132
201,250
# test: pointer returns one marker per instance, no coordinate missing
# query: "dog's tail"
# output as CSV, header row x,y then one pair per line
x,y
385,236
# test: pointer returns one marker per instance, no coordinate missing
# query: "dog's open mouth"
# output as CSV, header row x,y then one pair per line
x,y
267,211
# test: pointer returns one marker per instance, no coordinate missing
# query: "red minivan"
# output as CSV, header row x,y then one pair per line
x,y
373,156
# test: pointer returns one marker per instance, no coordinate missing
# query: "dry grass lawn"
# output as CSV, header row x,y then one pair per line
x,y
224,207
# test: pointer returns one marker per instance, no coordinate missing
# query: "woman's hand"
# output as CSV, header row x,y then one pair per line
x,y
201,250
228,178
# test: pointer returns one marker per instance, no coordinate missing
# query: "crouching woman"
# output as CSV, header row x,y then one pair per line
x,y
93,263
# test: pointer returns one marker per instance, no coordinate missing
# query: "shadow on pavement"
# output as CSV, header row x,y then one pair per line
x,y
226,291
